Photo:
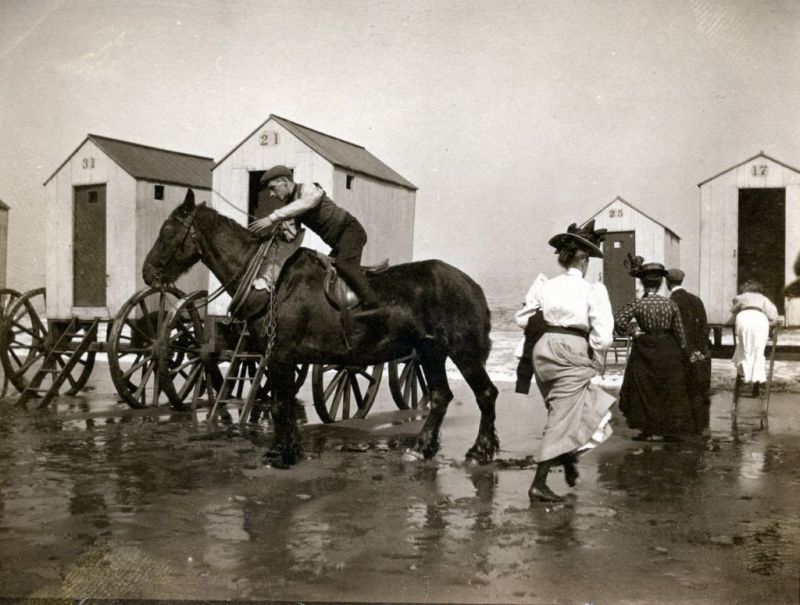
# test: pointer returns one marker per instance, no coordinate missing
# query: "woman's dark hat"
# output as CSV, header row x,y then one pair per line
x,y
584,237
638,268
274,173
652,269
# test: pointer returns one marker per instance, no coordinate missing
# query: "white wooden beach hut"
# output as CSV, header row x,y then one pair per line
x,y
106,203
629,231
382,200
749,229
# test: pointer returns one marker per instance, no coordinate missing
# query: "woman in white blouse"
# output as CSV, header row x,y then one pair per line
x,y
754,314
580,323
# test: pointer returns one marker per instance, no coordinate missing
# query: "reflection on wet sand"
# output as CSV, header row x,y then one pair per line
x,y
154,506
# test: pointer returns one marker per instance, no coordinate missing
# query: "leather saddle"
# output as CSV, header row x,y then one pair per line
x,y
262,274
338,293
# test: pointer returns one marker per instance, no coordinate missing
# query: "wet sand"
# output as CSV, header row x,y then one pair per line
x,y
104,502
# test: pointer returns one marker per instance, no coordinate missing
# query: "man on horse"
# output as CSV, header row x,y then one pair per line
x,y
308,204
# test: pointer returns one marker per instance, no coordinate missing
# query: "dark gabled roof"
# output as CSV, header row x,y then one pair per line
x,y
760,154
626,202
3,205
340,153
151,163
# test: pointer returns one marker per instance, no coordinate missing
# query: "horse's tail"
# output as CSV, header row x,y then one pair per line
x,y
484,340
487,326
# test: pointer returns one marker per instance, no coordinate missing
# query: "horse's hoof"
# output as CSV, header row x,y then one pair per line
x,y
271,457
477,456
412,456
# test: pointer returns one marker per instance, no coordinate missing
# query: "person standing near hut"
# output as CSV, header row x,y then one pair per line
x,y
654,397
753,314
695,328
579,321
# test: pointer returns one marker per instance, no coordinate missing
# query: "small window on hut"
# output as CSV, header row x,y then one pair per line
x,y
93,197
349,181
159,192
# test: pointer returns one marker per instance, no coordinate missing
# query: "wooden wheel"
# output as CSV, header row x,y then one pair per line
x,y
336,388
7,298
26,339
300,374
407,383
133,346
181,364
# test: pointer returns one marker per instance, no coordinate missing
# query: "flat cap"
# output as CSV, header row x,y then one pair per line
x,y
675,275
274,173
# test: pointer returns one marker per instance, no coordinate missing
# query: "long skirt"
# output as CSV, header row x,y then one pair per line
x,y
654,397
699,386
752,333
577,410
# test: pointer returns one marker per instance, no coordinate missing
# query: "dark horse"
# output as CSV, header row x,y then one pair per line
x,y
427,306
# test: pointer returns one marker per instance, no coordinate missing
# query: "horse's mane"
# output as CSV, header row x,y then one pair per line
x,y
213,219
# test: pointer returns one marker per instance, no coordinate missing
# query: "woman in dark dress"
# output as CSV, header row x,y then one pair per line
x,y
654,396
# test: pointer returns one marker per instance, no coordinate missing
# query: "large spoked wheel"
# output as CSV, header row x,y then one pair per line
x,y
26,340
407,383
8,297
343,392
133,346
181,364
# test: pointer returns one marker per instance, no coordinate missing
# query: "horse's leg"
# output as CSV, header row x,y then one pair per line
x,y
433,364
487,443
287,448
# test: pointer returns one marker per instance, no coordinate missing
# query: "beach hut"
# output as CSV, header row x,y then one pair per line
x,y
749,229
356,180
3,243
629,231
106,203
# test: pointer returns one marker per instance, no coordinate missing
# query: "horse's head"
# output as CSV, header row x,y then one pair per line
x,y
176,249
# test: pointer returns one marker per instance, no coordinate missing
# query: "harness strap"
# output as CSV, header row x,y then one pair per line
x,y
253,265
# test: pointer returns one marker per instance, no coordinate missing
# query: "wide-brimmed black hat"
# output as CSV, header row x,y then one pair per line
x,y
585,237
651,269
638,268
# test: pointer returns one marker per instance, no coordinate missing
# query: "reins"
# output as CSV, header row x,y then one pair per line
x,y
191,231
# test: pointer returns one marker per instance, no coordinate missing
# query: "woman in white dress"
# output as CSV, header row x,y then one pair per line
x,y
580,324
754,314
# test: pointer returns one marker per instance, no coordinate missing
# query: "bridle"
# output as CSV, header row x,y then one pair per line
x,y
188,222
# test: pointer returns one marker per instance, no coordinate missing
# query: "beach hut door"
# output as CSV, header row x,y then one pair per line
x,y
762,240
621,286
89,247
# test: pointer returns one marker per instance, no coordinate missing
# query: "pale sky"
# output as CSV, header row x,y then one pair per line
x,y
514,118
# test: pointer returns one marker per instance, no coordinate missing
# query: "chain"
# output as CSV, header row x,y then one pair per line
x,y
270,326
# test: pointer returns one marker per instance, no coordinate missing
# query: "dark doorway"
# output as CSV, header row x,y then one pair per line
x,y
762,240
89,246
259,201
621,286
